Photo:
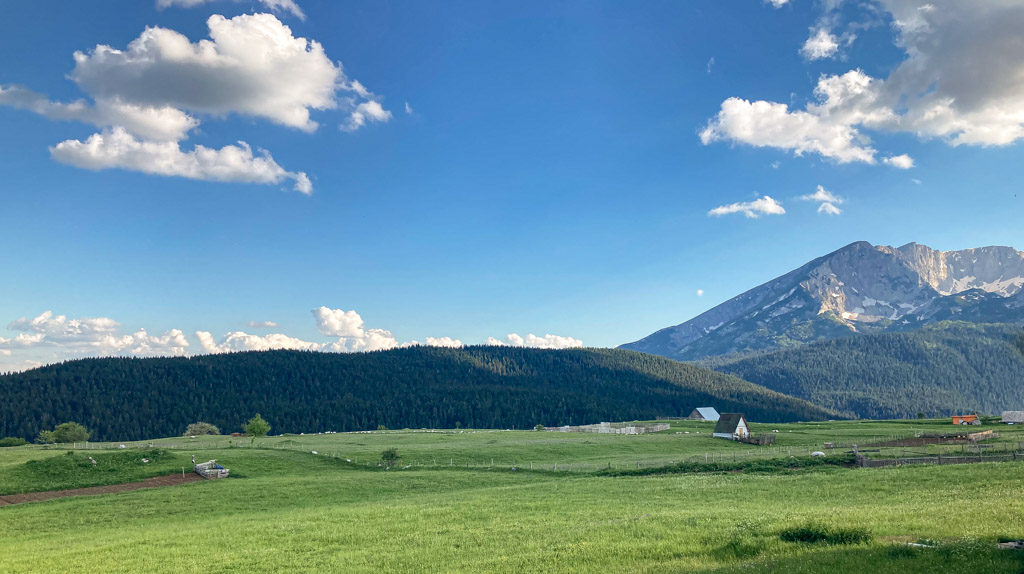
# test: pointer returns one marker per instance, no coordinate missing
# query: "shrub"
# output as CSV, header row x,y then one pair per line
x,y
390,457
64,432
11,441
815,532
201,428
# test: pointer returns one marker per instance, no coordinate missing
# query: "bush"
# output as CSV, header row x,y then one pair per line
x,y
64,432
11,441
201,428
814,532
390,457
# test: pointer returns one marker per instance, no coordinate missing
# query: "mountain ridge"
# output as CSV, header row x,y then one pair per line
x,y
859,288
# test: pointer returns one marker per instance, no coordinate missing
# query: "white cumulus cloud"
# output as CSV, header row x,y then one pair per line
x,y
821,44
546,342
752,209
241,341
251,65
151,122
116,148
443,342
828,202
91,336
899,161
962,81
151,94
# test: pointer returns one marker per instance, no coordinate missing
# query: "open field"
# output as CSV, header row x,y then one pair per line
x,y
290,510
686,440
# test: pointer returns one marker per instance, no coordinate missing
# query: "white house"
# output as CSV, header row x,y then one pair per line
x,y
732,426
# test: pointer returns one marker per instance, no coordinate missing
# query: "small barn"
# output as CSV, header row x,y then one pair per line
x,y
966,420
732,426
1013,417
704,414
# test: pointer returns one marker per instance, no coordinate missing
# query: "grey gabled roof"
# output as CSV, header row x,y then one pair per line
x,y
1013,416
728,422
709,413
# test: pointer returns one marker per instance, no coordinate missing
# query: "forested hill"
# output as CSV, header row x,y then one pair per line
x,y
483,387
942,369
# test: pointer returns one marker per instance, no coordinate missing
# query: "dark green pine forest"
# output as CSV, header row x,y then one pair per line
x,y
420,387
941,369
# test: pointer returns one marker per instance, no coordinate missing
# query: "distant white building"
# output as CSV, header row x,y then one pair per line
x,y
1013,417
732,426
704,414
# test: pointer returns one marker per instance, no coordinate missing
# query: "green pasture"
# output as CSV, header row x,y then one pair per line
x,y
288,510
685,441
300,512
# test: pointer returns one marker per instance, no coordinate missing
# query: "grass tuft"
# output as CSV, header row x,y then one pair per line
x,y
816,532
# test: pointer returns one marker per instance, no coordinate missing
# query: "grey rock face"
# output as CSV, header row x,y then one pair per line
x,y
859,288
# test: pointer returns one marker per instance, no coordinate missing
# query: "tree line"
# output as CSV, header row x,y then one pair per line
x,y
422,387
942,369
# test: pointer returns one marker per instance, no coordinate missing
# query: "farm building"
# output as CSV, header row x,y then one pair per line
x,y
966,420
704,414
1013,417
731,426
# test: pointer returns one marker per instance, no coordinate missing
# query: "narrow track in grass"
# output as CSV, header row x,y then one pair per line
x,y
155,482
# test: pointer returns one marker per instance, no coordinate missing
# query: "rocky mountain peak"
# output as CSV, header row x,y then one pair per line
x,y
858,288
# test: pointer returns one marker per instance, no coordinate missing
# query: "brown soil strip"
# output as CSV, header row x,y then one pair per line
x,y
157,482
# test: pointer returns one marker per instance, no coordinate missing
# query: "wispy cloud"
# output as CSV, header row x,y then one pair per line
x,y
828,202
752,209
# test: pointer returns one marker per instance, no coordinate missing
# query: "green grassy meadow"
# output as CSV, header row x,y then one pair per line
x,y
290,510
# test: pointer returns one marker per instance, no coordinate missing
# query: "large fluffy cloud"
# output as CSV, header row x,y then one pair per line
x,y
91,336
251,65
116,148
150,95
57,337
752,209
152,122
962,81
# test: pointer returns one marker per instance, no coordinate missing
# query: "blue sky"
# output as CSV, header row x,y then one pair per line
x,y
476,169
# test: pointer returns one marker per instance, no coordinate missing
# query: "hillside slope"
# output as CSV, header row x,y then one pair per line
x,y
484,387
858,289
941,369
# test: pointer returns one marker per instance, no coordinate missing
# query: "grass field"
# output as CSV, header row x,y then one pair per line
x,y
505,448
290,510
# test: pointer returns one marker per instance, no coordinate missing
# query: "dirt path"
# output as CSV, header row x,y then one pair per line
x,y
156,482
